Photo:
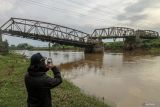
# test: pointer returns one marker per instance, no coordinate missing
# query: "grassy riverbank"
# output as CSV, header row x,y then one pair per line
x,y
150,45
13,92
25,46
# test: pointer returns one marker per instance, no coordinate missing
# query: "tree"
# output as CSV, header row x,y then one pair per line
x,y
12,47
24,46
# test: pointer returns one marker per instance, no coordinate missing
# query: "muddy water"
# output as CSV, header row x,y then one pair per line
x,y
123,79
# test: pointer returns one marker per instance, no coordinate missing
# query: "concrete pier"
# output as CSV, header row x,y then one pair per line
x,y
99,48
131,43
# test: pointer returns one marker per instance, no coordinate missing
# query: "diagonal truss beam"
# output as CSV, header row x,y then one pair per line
x,y
46,31
122,32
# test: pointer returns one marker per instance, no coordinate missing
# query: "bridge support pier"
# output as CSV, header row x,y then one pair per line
x,y
130,43
95,49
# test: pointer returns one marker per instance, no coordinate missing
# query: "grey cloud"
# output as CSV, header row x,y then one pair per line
x,y
131,18
85,28
138,17
133,12
139,6
100,9
64,15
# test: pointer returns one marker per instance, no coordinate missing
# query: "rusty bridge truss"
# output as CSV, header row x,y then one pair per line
x,y
123,32
44,31
54,33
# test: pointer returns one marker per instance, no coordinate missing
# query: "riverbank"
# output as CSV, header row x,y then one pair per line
x,y
13,92
152,46
147,46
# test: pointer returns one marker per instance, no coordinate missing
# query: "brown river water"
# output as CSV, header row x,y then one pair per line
x,y
121,79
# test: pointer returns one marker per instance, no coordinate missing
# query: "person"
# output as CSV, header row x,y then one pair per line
x,y
38,84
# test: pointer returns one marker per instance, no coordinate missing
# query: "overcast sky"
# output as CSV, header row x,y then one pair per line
x,y
84,15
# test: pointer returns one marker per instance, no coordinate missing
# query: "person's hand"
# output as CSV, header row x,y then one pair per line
x,y
50,66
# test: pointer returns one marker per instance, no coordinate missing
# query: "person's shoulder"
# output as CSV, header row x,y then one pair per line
x,y
26,74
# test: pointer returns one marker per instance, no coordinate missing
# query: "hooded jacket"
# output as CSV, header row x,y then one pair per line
x,y
38,86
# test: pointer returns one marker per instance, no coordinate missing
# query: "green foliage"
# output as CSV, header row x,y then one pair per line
x,y
154,43
13,93
12,47
113,45
148,43
62,47
55,46
24,46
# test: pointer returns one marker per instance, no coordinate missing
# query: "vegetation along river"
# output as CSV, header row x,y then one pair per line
x,y
123,79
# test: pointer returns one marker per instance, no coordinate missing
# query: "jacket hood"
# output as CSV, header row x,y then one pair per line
x,y
32,72
37,59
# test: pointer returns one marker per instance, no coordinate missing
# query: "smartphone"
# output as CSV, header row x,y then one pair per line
x,y
49,61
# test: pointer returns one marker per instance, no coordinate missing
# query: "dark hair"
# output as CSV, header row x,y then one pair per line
x,y
36,59
37,63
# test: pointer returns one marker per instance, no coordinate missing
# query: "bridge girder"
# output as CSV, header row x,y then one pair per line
x,y
49,32
112,32
46,32
147,34
122,32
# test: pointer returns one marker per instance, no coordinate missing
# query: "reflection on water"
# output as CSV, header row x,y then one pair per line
x,y
91,63
126,79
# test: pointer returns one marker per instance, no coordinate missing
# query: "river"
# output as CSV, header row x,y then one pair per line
x,y
122,79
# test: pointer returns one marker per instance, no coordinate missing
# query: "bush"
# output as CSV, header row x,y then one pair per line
x,y
155,43
113,45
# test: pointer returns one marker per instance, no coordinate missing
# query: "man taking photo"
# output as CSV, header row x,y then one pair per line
x,y
38,84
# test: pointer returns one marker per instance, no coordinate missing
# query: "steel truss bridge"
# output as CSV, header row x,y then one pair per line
x,y
44,31
54,33
123,32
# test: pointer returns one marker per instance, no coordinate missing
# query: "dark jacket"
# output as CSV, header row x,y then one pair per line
x,y
38,86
